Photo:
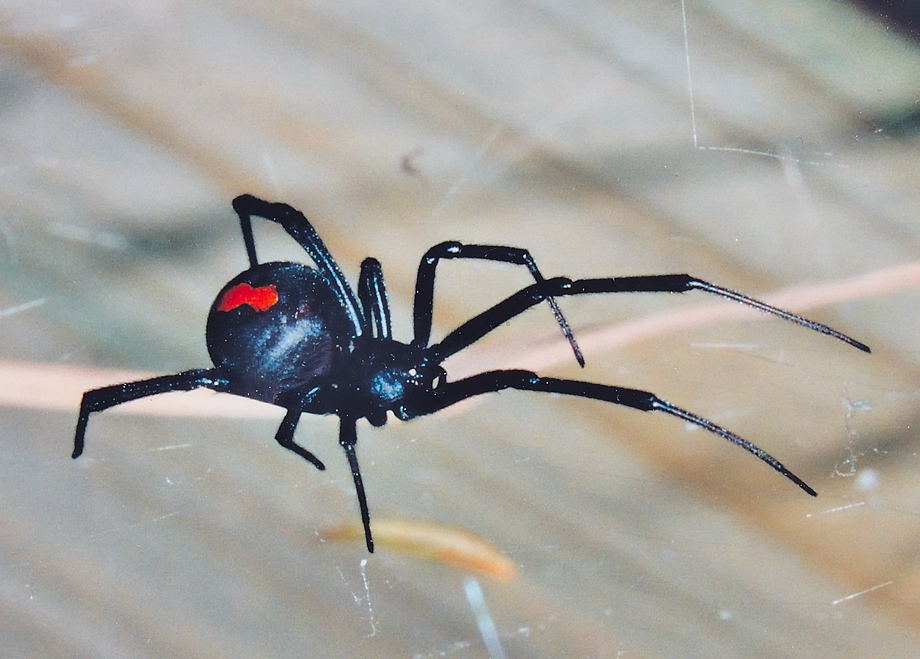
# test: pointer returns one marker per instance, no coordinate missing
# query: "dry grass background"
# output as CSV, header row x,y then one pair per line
x,y
567,128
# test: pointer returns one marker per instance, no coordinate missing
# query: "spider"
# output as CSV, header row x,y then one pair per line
x,y
299,338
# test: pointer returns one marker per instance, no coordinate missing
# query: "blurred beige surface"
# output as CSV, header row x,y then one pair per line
x,y
786,161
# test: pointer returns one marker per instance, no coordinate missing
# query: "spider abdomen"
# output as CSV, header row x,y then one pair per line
x,y
274,327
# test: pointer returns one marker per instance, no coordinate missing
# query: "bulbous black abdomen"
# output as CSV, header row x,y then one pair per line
x,y
274,327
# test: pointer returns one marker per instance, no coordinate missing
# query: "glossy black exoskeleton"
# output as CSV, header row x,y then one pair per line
x,y
299,337
275,327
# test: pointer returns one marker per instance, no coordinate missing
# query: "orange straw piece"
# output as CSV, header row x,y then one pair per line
x,y
432,542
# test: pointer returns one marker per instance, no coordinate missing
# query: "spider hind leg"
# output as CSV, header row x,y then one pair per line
x,y
97,400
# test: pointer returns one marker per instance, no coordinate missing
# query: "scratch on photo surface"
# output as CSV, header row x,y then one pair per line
x,y
456,185
77,233
838,509
483,618
125,527
848,466
354,595
730,149
367,595
861,593
367,598
19,308
171,447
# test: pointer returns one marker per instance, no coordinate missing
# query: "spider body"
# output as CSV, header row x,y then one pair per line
x,y
298,337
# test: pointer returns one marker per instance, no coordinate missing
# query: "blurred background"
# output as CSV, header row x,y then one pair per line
x,y
768,147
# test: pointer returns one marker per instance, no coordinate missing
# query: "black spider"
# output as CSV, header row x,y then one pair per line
x,y
299,338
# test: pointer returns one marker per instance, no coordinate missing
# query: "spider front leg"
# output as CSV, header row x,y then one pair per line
x,y
97,400
424,286
491,381
477,327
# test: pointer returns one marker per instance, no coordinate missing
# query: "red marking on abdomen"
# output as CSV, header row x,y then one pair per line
x,y
260,299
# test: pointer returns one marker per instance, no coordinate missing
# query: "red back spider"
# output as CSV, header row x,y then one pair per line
x,y
299,337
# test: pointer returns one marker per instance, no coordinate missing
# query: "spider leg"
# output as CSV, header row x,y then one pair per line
x,y
424,285
285,437
97,400
348,437
372,292
477,327
300,229
449,393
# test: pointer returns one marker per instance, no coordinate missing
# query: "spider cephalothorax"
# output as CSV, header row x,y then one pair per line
x,y
299,337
